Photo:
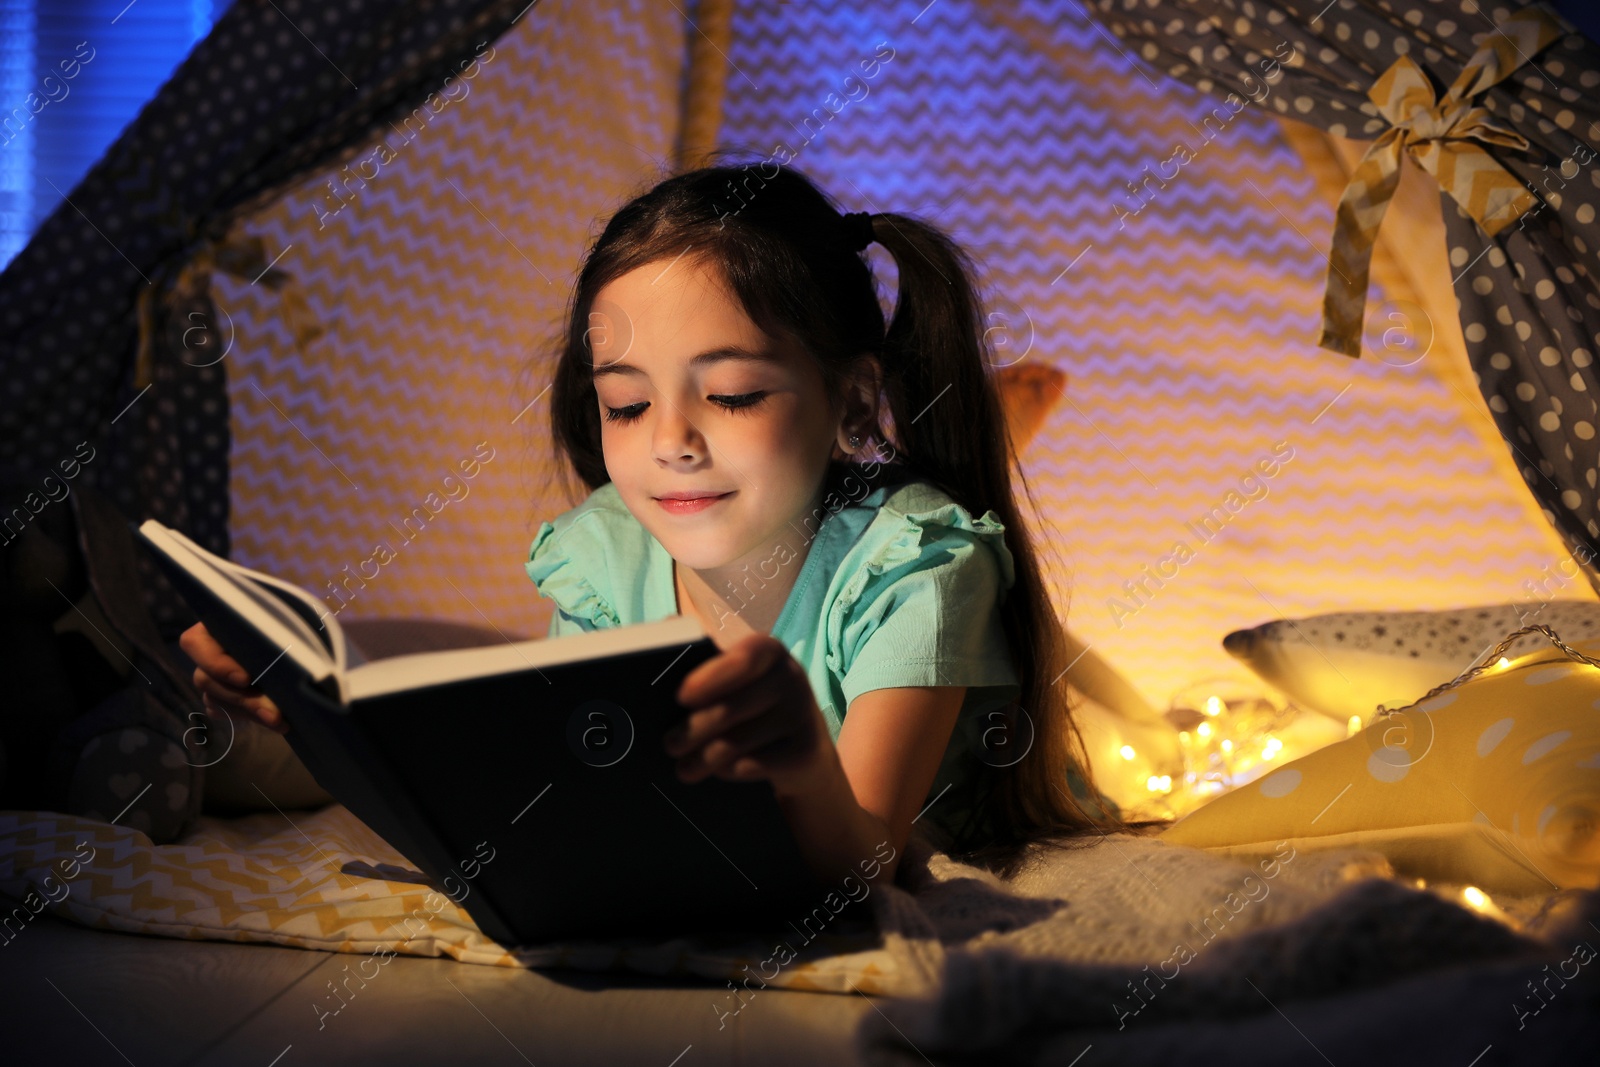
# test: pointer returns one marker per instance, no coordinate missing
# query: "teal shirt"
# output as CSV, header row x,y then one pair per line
x,y
900,586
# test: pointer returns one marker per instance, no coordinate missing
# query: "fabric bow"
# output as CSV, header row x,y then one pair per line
x,y
242,256
1440,135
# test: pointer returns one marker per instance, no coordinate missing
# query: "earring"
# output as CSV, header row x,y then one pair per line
x,y
855,442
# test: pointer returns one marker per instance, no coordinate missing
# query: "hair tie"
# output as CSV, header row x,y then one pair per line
x,y
857,227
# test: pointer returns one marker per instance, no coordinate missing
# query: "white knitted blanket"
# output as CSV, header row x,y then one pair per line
x,y
1127,931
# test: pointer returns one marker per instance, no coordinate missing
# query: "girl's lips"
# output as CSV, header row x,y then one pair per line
x,y
689,507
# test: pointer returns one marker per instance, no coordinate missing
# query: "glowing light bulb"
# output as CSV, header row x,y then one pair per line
x,y
1503,662
1353,727
1213,706
1480,902
1204,729
1184,738
1127,751
1227,745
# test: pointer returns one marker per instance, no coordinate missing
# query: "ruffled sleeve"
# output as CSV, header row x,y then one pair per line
x,y
579,605
920,608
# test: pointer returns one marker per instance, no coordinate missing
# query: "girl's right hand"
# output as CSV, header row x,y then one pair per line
x,y
224,683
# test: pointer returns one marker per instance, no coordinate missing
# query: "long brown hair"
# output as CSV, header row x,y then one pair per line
x,y
779,243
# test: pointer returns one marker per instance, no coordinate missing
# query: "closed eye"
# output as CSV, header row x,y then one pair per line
x,y
627,414
739,402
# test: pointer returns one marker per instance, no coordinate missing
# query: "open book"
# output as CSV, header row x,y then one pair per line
x,y
290,623
544,756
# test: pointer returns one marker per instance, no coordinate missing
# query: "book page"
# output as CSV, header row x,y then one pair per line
x,y
420,670
288,602
271,621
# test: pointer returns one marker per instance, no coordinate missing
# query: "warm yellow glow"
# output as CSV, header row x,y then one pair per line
x,y
1183,736
1213,706
1127,752
1159,783
1479,901
1503,662
1204,729
1353,727
1227,745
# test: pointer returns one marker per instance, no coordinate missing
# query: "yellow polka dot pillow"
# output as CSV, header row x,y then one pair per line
x,y
1494,783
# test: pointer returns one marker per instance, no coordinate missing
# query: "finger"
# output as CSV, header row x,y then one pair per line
x,y
745,770
765,762
720,754
212,657
728,671
707,723
247,703
716,754
268,715
222,691
720,674
265,712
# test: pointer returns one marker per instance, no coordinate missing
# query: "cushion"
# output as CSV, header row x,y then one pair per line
x,y
324,880
1496,782
1347,664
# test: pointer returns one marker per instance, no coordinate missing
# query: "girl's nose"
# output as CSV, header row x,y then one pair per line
x,y
676,439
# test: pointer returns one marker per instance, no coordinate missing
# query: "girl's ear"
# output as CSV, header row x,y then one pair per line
x,y
859,415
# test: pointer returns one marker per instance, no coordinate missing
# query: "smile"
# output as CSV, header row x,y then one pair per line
x,y
690,506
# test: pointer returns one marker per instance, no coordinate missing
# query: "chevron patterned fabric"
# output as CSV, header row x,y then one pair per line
x,y
441,277
323,880
1182,305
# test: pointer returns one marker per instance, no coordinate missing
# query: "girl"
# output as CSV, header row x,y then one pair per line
x,y
889,655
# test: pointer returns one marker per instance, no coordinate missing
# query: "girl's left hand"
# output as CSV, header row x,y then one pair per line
x,y
752,715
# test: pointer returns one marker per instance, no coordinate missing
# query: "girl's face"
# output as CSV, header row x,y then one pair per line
x,y
696,401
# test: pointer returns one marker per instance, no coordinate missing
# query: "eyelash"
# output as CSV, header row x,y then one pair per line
x,y
741,402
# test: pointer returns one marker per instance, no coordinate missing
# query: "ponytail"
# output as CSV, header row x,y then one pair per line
x,y
949,424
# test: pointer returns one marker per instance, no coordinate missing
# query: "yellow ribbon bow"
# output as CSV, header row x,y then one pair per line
x,y
1439,135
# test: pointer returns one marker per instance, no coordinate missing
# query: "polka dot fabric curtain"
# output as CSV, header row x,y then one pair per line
x,y
112,365
1529,301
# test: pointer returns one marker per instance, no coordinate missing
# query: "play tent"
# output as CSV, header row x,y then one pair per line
x,y
326,263
303,285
